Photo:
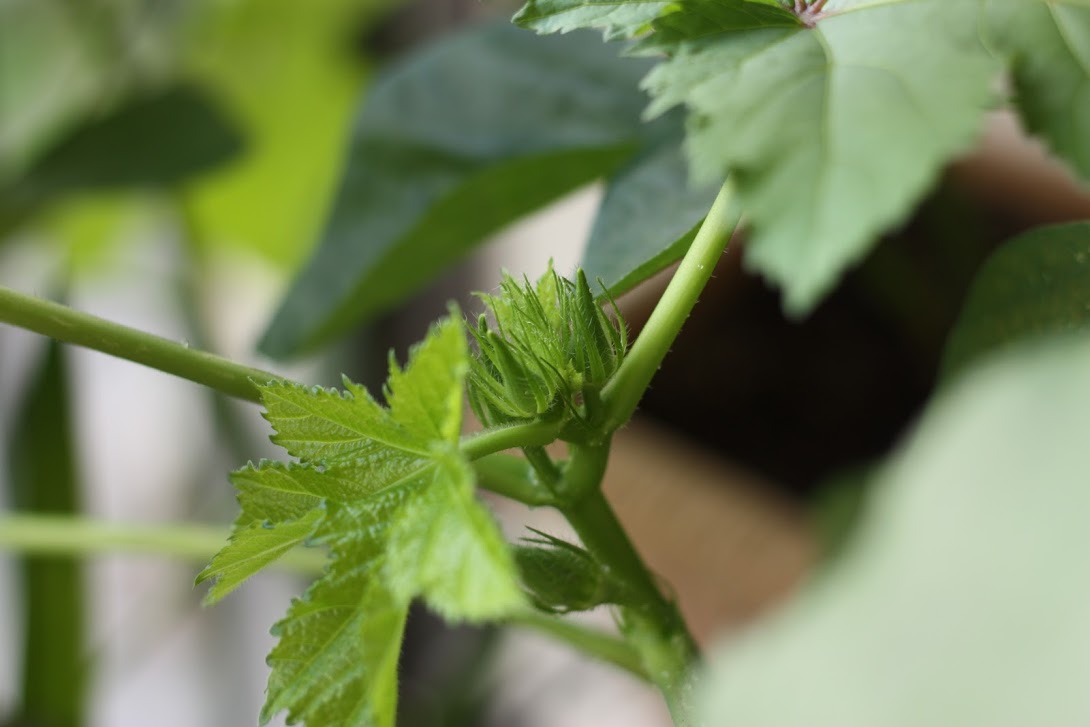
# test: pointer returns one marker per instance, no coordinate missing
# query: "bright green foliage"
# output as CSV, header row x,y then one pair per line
x,y
388,491
831,132
963,597
617,18
1037,284
551,348
1049,48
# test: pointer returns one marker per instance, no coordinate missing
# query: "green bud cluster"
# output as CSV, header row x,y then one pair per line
x,y
542,349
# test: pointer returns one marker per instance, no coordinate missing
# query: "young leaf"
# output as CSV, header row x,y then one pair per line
x,y
830,132
1037,284
391,495
465,137
1049,48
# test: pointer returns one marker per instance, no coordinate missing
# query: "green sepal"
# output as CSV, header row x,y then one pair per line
x,y
563,577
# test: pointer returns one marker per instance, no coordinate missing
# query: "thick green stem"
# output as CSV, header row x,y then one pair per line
x,y
652,623
514,436
71,326
514,478
625,389
598,644
79,536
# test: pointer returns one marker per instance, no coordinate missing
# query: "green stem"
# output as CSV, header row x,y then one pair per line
x,y
598,644
514,436
625,389
79,536
514,478
70,326
653,625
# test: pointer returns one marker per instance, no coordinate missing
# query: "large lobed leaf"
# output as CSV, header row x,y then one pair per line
x,y
389,493
831,132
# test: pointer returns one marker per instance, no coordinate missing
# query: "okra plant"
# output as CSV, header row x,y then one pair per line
x,y
818,124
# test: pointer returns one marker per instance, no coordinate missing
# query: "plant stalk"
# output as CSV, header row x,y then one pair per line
x,y
70,326
625,389
59,535
652,623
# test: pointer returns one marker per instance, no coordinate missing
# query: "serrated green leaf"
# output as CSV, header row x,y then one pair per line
x,y
392,496
462,139
336,660
616,18
251,548
832,132
446,547
963,597
1037,284
1049,48
647,218
426,397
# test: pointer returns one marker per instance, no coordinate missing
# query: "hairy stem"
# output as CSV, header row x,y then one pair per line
x,y
70,326
625,389
82,536
652,623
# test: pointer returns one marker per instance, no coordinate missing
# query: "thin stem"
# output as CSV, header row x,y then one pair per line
x,y
598,644
71,326
623,392
514,436
514,478
61,535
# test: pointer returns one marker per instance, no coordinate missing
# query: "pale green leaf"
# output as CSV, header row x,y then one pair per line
x,y
1049,48
617,18
964,597
251,548
831,133
1035,285
445,546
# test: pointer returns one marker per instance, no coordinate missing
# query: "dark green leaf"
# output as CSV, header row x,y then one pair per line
x,y
963,598
155,140
462,139
647,218
1036,284
1049,48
